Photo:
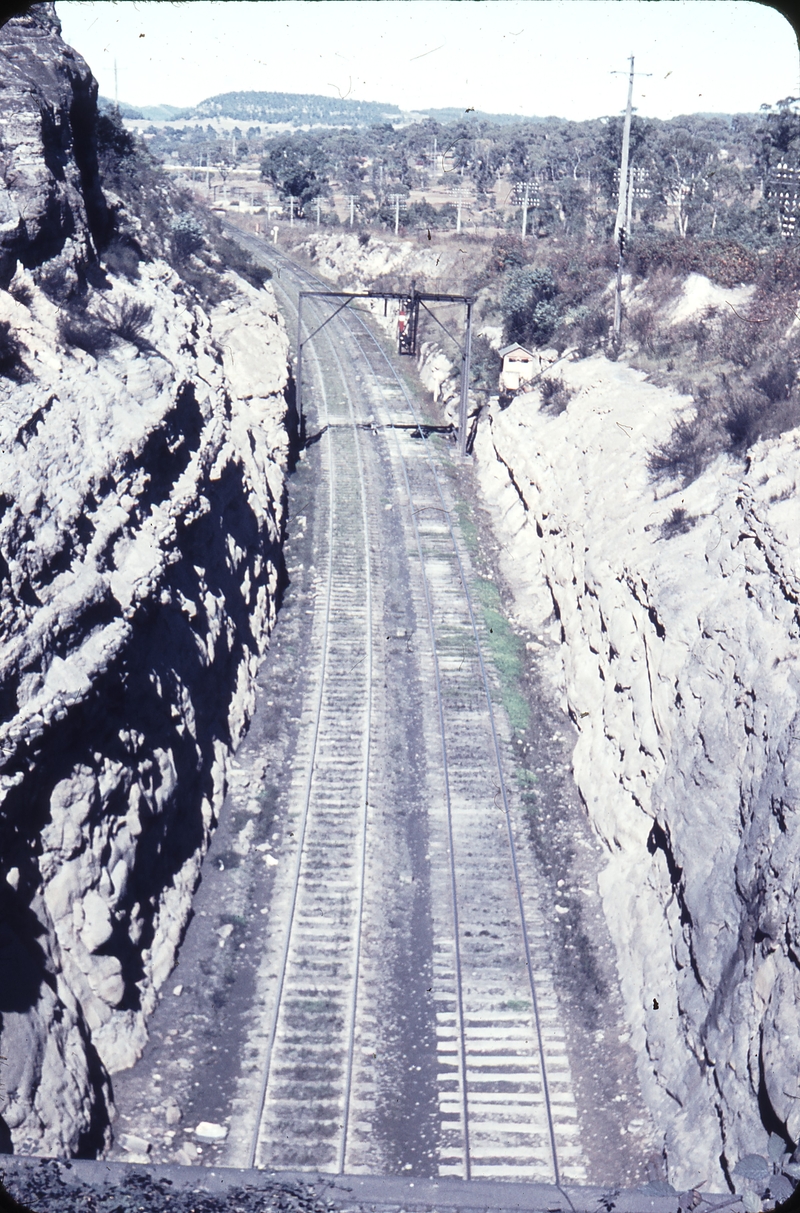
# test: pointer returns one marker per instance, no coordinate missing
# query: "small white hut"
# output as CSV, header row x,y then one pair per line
x,y
519,366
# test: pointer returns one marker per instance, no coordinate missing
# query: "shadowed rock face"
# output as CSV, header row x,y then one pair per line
x,y
51,203
140,554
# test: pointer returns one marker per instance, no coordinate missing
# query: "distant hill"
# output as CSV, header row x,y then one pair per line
x,y
451,114
162,113
300,109
155,113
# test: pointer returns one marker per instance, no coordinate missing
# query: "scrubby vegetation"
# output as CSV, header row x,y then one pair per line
x,y
131,320
168,222
12,365
555,395
77,327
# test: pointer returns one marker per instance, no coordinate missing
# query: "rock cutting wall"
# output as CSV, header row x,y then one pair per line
x,y
673,642
140,530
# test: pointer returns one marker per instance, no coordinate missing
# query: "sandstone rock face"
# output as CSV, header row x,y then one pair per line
x,y
140,530
51,203
340,255
674,647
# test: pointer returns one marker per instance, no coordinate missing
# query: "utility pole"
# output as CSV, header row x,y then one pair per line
x,y
458,193
398,200
352,200
624,206
317,212
618,288
524,195
291,210
116,90
623,170
464,402
299,384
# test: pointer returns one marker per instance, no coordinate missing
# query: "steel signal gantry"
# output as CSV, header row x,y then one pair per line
x,y
408,324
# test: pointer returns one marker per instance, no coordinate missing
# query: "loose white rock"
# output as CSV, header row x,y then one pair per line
x,y
209,1132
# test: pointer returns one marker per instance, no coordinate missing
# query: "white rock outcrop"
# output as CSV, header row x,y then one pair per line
x,y
141,532
674,647
141,516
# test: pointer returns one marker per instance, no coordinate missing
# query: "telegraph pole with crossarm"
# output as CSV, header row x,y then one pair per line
x,y
625,185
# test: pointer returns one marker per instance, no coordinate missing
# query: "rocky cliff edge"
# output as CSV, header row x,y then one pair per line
x,y
142,480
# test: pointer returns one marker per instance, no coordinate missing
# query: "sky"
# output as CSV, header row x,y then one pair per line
x,y
535,57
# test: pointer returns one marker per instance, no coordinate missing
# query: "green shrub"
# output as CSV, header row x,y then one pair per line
x,y
90,333
485,365
777,378
238,259
528,306
21,292
11,362
555,395
131,319
722,260
591,331
730,418
644,328
508,253
679,522
57,282
684,454
188,236
744,418
122,257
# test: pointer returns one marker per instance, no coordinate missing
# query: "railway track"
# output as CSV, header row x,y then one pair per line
x,y
502,1086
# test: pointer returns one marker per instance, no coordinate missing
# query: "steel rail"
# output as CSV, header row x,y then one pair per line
x,y
443,737
306,805
353,1001
496,746
487,692
307,797
365,782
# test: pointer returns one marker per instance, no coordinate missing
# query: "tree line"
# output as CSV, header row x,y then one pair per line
x,y
703,175
700,175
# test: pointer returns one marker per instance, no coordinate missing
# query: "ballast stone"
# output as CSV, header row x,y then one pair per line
x,y
207,1131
